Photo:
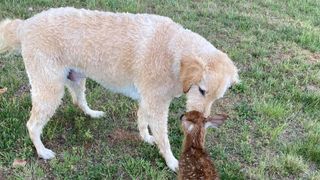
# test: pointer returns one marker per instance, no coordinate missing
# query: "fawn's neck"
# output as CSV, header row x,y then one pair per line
x,y
194,141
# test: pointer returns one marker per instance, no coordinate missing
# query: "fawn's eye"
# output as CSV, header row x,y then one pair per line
x,y
203,92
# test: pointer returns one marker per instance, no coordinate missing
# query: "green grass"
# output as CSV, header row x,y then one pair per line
x,y
274,126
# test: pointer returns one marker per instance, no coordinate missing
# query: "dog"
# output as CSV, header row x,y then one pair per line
x,y
146,57
194,162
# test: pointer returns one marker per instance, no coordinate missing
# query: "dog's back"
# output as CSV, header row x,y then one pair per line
x,y
81,33
107,47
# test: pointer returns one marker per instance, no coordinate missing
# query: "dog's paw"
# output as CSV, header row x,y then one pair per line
x,y
149,139
173,164
46,154
95,114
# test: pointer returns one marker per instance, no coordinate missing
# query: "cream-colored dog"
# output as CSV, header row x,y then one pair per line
x,y
146,57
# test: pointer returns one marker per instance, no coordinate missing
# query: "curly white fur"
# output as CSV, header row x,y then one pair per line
x,y
147,57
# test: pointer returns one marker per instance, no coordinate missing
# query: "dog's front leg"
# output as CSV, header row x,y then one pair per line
x,y
156,115
159,129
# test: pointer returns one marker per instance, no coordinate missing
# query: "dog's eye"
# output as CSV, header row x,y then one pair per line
x,y
203,92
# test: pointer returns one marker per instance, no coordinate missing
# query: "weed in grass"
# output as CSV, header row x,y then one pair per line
x,y
288,165
272,110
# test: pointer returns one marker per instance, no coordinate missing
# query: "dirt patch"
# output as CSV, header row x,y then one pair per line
x,y
151,9
312,88
226,105
312,57
46,167
292,136
281,53
1,175
120,135
22,90
315,57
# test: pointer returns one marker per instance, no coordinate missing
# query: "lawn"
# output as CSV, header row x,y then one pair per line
x,y
274,127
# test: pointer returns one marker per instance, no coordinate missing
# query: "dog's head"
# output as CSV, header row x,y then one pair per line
x,y
205,80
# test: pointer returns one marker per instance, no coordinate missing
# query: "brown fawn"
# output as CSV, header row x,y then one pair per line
x,y
195,162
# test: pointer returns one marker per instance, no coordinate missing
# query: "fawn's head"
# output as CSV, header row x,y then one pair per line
x,y
194,125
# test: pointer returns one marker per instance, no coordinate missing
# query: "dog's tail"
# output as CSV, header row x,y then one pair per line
x,y
9,35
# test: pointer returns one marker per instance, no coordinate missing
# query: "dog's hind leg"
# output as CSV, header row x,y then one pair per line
x,y
77,90
47,89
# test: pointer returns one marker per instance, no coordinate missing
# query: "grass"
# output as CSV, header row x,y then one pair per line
x,y
274,126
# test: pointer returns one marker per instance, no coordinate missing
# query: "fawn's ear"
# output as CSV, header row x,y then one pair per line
x,y
186,124
216,121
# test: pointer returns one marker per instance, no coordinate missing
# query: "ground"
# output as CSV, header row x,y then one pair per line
x,y
274,127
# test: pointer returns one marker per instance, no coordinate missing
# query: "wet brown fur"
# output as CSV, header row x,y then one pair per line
x,y
195,163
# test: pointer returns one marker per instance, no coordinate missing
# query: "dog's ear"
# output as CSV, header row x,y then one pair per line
x,y
216,120
191,71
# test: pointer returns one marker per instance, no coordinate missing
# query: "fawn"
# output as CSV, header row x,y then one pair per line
x,y
194,161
